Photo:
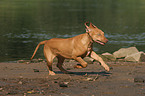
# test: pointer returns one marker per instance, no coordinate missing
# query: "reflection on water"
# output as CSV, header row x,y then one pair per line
x,y
24,23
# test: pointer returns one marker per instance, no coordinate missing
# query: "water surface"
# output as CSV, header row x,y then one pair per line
x,y
24,23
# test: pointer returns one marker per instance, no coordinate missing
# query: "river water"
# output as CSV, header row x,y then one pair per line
x,y
24,23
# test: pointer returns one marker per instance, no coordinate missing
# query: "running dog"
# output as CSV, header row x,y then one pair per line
x,y
75,48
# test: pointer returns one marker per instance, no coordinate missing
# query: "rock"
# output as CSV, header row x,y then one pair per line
x,y
123,52
20,82
25,94
30,92
89,79
89,60
136,57
66,83
40,60
1,89
34,60
92,78
138,79
106,53
108,56
20,61
63,85
24,61
121,60
72,61
20,77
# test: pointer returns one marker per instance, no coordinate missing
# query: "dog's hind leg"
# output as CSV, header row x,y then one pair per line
x,y
49,58
60,63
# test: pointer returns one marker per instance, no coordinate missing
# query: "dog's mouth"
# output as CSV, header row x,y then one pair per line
x,y
100,42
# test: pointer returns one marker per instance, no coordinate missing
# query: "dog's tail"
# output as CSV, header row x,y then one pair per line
x,y
41,43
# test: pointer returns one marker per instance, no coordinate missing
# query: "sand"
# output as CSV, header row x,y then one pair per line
x,y
125,79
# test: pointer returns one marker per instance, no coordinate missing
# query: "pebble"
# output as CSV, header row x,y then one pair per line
x,y
1,89
64,84
21,77
25,94
20,82
90,79
30,92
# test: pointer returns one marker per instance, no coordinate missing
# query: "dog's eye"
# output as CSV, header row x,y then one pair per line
x,y
99,34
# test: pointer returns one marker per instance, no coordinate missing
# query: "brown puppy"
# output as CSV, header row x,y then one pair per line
x,y
75,48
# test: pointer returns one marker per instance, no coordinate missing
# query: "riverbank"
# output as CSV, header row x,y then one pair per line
x,y
125,79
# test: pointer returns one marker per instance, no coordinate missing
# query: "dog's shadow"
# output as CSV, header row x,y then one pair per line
x,y
102,73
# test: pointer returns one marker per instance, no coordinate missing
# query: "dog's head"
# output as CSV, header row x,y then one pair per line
x,y
96,34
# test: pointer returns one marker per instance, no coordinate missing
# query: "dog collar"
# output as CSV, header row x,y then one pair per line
x,y
90,37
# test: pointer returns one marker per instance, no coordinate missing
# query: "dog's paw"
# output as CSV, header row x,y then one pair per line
x,y
78,66
51,73
107,68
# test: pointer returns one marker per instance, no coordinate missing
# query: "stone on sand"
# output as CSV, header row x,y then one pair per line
x,y
89,60
136,57
123,52
108,56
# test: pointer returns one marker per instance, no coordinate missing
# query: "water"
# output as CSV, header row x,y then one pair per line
x,y
24,23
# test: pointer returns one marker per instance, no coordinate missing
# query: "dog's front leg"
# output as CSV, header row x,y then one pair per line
x,y
81,61
96,57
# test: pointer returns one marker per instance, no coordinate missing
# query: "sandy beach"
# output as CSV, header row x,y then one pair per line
x,y
125,79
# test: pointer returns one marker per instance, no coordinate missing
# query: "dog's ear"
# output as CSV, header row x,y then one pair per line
x,y
87,27
92,26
